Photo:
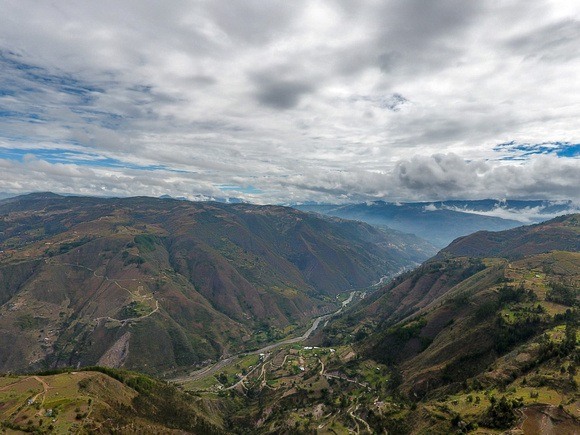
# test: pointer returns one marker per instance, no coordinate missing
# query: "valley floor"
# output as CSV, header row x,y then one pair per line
x,y
304,389
214,368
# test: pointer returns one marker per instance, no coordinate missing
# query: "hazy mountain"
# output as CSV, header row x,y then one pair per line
x,y
157,283
442,222
4,195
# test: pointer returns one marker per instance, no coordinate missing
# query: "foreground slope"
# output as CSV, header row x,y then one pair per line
x,y
100,401
154,284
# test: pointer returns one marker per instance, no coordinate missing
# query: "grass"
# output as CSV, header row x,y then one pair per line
x,y
92,401
57,406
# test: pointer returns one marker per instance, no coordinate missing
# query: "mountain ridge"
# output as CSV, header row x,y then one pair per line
x,y
441,222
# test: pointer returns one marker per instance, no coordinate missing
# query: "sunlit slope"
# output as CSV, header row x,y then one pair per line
x,y
102,401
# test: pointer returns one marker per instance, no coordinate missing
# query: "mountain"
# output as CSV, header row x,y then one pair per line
x,y
483,253
155,284
4,195
472,264
462,344
558,234
498,324
442,222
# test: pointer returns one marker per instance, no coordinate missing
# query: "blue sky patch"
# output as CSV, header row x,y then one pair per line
x,y
67,156
60,82
520,151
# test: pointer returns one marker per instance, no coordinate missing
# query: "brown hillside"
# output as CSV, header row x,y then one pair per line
x,y
156,284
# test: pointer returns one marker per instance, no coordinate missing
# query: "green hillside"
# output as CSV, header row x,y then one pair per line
x,y
102,401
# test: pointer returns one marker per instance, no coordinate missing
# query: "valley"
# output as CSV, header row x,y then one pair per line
x,y
457,346
270,320
85,281
223,363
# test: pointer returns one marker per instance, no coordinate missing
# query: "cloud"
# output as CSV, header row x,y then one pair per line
x,y
443,176
439,173
525,215
331,100
280,94
254,21
393,102
554,42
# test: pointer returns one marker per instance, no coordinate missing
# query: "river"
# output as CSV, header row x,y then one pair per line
x,y
209,370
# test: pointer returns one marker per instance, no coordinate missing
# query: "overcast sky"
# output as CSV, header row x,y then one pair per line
x,y
290,101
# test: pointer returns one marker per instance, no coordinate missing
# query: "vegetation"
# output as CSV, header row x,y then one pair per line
x,y
500,413
563,294
98,400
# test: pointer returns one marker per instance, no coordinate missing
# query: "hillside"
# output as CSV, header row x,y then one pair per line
x,y
561,233
461,333
100,401
498,351
482,255
154,284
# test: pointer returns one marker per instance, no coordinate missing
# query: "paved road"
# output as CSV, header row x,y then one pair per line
x,y
209,370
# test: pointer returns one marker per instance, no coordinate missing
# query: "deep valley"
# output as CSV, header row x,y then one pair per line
x,y
270,320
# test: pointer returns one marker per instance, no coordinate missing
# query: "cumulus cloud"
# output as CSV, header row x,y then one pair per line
x,y
525,215
442,176
283,101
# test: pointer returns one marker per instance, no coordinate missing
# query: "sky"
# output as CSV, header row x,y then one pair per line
x,y
291,101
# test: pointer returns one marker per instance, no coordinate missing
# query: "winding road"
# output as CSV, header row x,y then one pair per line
x,y
223,363
134,295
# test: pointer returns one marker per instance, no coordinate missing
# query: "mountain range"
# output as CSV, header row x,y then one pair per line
x,y
156,284
441,222
482,337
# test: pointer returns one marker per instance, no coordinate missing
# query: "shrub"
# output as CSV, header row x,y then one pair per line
x,y
500,413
